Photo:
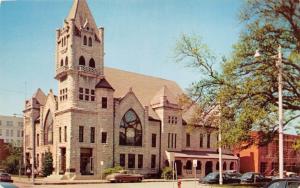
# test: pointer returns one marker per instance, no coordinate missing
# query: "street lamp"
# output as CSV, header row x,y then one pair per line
x,y
220,149
280,109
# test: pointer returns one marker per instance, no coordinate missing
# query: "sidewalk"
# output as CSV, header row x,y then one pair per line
x,y
42,181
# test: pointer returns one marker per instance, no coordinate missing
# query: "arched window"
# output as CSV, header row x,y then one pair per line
x,y
61,63
90,41
232,166
66,61
82,61
188,165
224,166
199,165
84,40
217,166
92,63
48,129
130,130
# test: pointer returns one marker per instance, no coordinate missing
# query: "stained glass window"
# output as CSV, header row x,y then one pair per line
x,y
130,129
48,132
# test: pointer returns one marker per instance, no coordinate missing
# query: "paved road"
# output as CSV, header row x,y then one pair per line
x,y
119,185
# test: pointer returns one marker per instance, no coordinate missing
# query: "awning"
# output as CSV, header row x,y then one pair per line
x,y
202,155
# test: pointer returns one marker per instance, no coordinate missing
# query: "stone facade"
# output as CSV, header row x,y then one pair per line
x,y
11,129
103,117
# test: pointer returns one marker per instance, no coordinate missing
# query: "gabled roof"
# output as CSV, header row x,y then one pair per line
x,y
40,96
103,83
82,15
144,87
164,92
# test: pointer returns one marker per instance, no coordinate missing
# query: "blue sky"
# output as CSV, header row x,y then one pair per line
x,y
140,36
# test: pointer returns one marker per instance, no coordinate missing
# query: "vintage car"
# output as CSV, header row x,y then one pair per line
x,y
253,177
7,185
124,176
5,177
284,183
213,178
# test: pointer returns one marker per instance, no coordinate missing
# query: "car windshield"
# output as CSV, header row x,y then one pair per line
x,y
233,174
247,175
212,175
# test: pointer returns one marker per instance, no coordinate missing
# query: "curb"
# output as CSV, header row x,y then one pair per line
x,y
58,182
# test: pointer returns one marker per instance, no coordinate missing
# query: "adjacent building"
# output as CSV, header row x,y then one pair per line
x,y
11,129
103,117
4,151
265,159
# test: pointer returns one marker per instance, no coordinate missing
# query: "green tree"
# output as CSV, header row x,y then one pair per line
x,y
112,170
47,164
13,162
296,145
244,88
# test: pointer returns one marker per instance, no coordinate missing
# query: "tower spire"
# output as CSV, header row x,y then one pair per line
x,y
81,15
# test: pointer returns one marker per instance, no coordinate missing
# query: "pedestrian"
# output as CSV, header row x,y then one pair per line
x,y
28,172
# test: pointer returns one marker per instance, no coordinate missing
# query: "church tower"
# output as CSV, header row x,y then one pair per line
x,y
79,117
79,57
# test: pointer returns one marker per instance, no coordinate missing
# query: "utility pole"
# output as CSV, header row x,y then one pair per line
x,y
33,150
280,112
220,159
220,150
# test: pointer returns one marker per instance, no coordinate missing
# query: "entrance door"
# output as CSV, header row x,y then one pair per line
x,y
179,167
208,167
85,161
62,169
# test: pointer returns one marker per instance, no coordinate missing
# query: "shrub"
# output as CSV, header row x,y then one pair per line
x,y
109,171
167,173
47,164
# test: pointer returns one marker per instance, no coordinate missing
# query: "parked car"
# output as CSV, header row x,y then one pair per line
x,y
291,175
213,178
7,185
5,177
286,175
233,173
253,177
124,176
284,183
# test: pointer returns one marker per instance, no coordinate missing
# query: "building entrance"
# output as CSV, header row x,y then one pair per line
x,y
86,161
62,168
208,167
179,167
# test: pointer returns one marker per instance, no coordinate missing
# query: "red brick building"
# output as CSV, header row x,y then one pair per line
x,y
265,159
3,150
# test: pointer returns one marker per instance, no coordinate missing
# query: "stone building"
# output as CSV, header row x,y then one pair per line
x,y
103,117
11,129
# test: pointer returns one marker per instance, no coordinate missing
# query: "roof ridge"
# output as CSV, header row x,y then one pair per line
x,y
140,74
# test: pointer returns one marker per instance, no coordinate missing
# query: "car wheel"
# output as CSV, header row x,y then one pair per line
x,y
140,180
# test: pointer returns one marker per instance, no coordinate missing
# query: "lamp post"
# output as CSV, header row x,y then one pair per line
x,y
280,108
220,159
280,112
220,151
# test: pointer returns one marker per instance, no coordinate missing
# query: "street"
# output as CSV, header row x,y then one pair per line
x,y
188,184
